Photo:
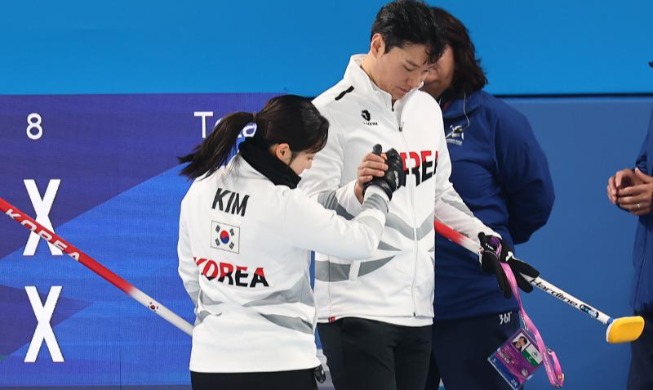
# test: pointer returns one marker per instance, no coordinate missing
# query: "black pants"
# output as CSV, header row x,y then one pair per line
x,y
461,348
364,354
280,380
640,376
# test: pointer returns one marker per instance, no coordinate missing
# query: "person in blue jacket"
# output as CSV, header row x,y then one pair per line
x,y
502,175
632,191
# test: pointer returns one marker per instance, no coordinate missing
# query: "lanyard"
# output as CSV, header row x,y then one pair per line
x,y
549,357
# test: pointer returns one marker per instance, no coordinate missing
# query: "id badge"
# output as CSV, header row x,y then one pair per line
x,y
517,359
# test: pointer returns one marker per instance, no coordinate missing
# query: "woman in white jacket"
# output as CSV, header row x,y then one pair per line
x,y
245,235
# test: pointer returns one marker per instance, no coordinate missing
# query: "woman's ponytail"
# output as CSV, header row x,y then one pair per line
x,y
211,154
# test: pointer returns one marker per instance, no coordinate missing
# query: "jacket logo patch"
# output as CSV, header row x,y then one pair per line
x,y
367,116
225,237
456,135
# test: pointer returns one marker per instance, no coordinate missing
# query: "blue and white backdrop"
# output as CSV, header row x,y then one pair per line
x,y
98,99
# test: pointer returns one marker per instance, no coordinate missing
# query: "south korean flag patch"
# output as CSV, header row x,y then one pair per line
x,y
225,237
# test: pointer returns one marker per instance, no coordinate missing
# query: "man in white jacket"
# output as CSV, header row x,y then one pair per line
x,y
375,314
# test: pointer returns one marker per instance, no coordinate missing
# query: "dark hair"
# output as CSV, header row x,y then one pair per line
x,y
408,22
468,74
287,119
522,339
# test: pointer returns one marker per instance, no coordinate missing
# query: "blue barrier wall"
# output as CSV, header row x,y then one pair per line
x,y
155,75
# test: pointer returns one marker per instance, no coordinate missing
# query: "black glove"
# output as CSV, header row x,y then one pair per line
x,y
496,252
518,268
393,177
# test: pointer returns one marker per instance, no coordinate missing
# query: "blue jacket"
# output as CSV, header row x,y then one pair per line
x,y
503,176
642,293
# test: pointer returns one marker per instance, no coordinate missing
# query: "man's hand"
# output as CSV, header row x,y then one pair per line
x,y
491,259
636,197
394,176
496,252
620,180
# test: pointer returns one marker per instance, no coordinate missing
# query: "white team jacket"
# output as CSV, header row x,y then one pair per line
x,y
244,260
396,283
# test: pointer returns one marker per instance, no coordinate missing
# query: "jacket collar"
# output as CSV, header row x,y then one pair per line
x,y
266,164
356,76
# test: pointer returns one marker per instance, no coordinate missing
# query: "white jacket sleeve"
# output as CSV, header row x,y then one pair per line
x,y
188,271
449,206
310,226
322,181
